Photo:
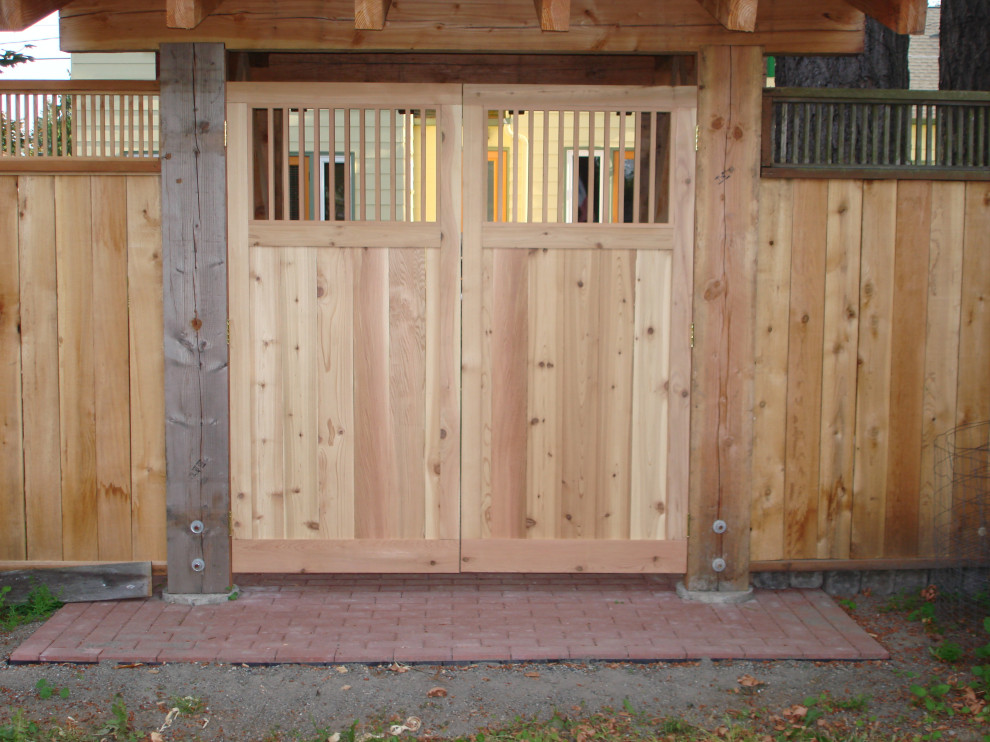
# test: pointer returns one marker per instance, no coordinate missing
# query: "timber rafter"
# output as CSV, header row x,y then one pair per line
x,y
735,15
16,15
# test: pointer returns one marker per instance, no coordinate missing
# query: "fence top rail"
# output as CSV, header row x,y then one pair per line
x,y
122,87
873,95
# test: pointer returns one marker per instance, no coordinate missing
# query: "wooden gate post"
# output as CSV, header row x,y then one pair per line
x,y
194,264
728,177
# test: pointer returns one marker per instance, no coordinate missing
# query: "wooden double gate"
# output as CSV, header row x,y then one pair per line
x,y
460,327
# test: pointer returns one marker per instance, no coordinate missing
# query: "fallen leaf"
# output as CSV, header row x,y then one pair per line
x,y
437,692
748,681
796,712
345,687
532,674
396,667
130,665
156,737
335,737
341,669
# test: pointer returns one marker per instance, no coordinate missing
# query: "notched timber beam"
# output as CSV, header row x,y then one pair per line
x,y
188,13
900,16
735,15
370,15
554,15
16,15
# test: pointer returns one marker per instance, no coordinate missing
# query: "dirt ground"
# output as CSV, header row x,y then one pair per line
x,y
304,702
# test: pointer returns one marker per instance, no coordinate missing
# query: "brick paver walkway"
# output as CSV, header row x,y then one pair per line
x,y
458,618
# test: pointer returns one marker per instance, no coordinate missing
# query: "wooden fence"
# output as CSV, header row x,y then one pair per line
x,y
81,384
873,336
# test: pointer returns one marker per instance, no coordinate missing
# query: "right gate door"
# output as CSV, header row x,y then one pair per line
x,y
578,221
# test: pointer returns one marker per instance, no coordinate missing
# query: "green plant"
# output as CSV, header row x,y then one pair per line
x,y
118,726
931,697
20,729
189,705
848,603
947,652
40,604
46,690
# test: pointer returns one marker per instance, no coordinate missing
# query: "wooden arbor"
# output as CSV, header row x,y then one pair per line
x,y
727,34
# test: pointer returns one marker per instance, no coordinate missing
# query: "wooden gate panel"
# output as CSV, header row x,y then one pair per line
x,y
348,458
575,334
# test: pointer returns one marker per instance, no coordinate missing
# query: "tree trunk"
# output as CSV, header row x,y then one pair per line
x,y
883,64
964,45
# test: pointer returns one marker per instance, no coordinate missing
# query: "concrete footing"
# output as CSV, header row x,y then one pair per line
x,y
714,597
201,598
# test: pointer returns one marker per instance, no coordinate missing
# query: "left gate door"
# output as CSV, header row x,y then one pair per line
x,y
344,250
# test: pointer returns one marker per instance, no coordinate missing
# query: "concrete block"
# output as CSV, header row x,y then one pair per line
x,y
770,580
807,580
878,582
908,580
843,584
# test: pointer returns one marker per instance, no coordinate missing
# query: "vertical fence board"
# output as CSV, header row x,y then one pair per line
x,y
873,390
509,345
39,371
298,332
617,316
407,383
267,477
839,358
770,406
804,368
77,402
543,404
147,384
973,397
945,262
335,385
374,514
111,366
579,297
907,367
12,524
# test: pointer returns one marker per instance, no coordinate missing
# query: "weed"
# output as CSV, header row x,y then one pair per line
x,y
947,652
46,690
40,604
20,728
859,702
848,603
931,697
189,705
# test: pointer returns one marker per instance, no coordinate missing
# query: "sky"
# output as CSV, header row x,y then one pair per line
x,y
51,63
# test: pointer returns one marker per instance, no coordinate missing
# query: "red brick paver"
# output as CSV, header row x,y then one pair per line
x,y
457,618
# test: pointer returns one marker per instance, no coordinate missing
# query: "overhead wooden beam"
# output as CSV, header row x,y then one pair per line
x,y
901,16
735,15
16,15
194,268
671,26
554,15
370,15
188,13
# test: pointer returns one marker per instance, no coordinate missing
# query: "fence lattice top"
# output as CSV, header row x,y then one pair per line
x,y
873,133
93,120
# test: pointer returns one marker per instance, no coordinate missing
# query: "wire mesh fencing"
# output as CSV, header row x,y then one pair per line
x,y
962,524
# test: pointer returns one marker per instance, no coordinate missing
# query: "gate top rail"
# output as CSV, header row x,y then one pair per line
x,y
841,133
79,125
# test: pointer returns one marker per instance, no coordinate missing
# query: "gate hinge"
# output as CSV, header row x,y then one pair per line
x,y
692,335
